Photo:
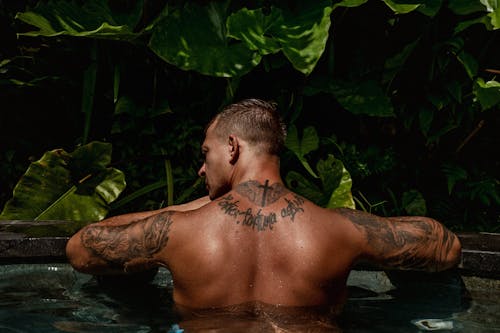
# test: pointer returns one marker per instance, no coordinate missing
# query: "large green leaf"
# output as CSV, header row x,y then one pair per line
x,y
74,186
490,8
401,8
365,97
194,38
309,142
414,203
255,29
305,187
336,181
303,33
300,34
395,63
92,18
335,190
469,62
487,93
350,3
465,7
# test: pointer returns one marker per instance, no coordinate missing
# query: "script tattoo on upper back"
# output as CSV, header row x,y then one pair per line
x,y
404,242
261,195
125,244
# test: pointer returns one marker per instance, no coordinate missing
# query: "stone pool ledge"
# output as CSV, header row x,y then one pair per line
x,y
17,247
480,251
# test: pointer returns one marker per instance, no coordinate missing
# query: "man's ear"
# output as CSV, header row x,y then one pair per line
x,y
234,149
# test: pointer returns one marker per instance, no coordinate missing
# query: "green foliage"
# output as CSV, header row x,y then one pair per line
x,y
75,186
334,186
194,38
300,148
365,98
90,19
405,93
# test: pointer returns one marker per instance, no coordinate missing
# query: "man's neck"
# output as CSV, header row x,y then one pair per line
x,y
262,193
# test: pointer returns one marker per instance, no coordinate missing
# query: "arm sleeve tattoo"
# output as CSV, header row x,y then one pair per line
x,y
131,245
410,242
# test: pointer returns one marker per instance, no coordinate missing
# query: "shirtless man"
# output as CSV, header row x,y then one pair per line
x,y
252,239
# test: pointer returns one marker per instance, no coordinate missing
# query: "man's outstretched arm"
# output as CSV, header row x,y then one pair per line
x,y
128,247
410,242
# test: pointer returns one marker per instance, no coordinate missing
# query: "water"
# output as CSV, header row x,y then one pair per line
x,y
54,298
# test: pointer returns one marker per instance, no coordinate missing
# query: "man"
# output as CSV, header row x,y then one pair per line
x,y
252,239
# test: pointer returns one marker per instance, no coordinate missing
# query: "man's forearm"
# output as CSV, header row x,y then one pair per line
x,y
410,242
443,246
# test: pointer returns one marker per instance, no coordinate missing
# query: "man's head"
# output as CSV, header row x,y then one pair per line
x,y
253,121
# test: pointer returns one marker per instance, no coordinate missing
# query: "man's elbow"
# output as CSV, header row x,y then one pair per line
x,y
76,255
454,255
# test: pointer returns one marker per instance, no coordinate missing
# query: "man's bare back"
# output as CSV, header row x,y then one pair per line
x,y
255,241
257,244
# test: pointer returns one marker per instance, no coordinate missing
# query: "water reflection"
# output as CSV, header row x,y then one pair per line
x,y
258,317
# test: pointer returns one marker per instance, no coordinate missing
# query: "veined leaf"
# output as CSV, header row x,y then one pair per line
x,y
414,203
430,7
254,28
487,93
465,7
194,38
453,173
91,19
304,187
74,186
394,64
300,148
349,3
469,63
365,97
337,182
301,35
427,7
400,8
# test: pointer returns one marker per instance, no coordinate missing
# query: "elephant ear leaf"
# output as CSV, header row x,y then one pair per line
x,y
92,19
337,182
75,186
309,143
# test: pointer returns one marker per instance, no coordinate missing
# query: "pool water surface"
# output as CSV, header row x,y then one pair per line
x,y
54,298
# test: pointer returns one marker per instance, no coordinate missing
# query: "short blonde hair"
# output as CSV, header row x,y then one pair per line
x,y
256,121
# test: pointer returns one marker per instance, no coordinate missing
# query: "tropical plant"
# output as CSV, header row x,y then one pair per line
x,y
405,93
77,186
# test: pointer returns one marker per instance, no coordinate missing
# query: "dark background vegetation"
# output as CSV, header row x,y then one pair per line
x,y
441,145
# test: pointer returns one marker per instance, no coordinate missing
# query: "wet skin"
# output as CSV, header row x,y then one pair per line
x,y
262,242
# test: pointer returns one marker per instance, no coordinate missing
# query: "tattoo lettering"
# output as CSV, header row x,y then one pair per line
x,y
261,195
132,243
406,242
293,207
257,221
229,207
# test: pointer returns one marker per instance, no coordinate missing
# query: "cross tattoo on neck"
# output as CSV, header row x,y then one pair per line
x,y
266,187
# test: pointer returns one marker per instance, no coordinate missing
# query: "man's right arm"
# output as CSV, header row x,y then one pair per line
x,y
410,242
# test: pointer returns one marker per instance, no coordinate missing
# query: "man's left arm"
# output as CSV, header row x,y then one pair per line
x,y
117,248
